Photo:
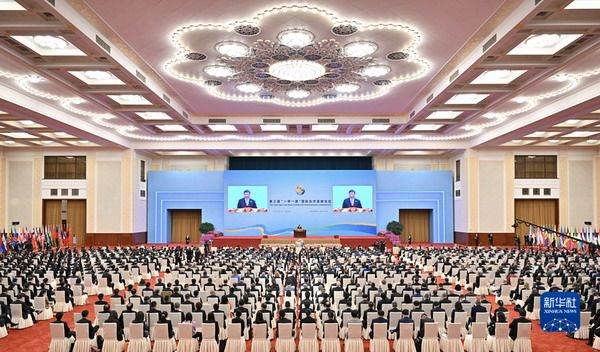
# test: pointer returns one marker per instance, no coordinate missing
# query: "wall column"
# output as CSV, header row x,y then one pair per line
x,y
473,190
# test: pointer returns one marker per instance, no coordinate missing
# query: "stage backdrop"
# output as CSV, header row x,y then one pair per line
x,y
320,201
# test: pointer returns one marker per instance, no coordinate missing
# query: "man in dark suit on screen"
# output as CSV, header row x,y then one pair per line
x,y
351,201
246,202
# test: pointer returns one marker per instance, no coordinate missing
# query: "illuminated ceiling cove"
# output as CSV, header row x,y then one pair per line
x,y
325,59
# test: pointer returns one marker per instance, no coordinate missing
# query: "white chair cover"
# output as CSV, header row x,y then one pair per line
x,y
208,344
583,332
523,340
430,342
58,341
17,317
354,341
79,298
405,342
162,342
187,342
3,332
500,342
379,342
235,341
331,339
285,341
596,344
83,342
260,341
308,338
61,305
535,315
451,341
42,313
137,341
111,344
476,341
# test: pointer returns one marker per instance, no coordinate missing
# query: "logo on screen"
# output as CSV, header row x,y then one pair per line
x,y
560,312
300,190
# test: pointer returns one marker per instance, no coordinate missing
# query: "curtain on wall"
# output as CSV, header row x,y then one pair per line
x,y
51,213
184,222
76,219
542,212
416,223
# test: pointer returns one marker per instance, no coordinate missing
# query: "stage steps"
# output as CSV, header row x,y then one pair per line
x,y
308,241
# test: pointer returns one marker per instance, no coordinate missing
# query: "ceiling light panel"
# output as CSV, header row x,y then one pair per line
x,y
375,127
11,5
443,115
324,128
129,99
583,5
543,44
19,135
542,134
171,128
571,123
154,115
222,128
468,98
498,76
273,128
426,127
48,45
97,77
580,134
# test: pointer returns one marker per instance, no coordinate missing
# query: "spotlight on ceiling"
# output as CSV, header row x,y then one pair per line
x,y
347,88
360,48
232,48
295,38
219,71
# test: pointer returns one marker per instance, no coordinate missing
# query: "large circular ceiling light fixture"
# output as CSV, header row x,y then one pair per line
x,y
295,38
360,49
297,93
375,70
297,70
219,71
248,88
232,49
347,88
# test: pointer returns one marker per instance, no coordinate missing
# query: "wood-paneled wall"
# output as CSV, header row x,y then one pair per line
x,y
115,239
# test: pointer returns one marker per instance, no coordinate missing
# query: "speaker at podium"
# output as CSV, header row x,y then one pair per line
x,y
299,232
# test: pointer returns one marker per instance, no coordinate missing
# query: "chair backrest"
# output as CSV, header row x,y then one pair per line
x,y
185,331
439,317
234,331
208,331
77,291
524,331
109,331
380,331
285,330
259,331
431,331
309,331
354,331
453,330
460,317
406,331
161,331
57,331
330,331
39,303
82,331
481,317
16,311
479,330
585,319
136,331
60,296
501,331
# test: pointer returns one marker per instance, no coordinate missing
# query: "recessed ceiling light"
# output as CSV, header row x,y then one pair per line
x,y
171,128
273,128
232,48
48,45
574,123
10,5
297,70
58,135
181,153
46,142
542,134
418,152
498,76
297,93
443,115
248,88
347,87
543,44
375,70
3,112
583,5
25,124
426,127
129,99
580,134
324,128
468,98
19,135
219,71
9,142
554,141
376,127
295,38
154,115
359,48
83,142
222,128
97,77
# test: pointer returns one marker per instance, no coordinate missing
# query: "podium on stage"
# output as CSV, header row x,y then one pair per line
x,y
299,233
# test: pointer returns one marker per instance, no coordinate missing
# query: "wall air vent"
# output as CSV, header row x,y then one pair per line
x,y
412,113
166,98
325,120
453,76
271,120
430,97
185,114
215,121
102,43
139,75
380,121
489,43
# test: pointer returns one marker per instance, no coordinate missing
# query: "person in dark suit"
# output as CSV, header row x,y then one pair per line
x,y
92,330
379,319
113,317
163,319
405,319
351,201
246,202
68,332
514,325
477,308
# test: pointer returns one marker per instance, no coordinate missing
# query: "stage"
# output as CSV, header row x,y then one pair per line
x,y
257,241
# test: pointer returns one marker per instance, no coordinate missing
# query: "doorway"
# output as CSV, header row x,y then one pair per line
x,y
542,212
416,222
185,222
71,212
